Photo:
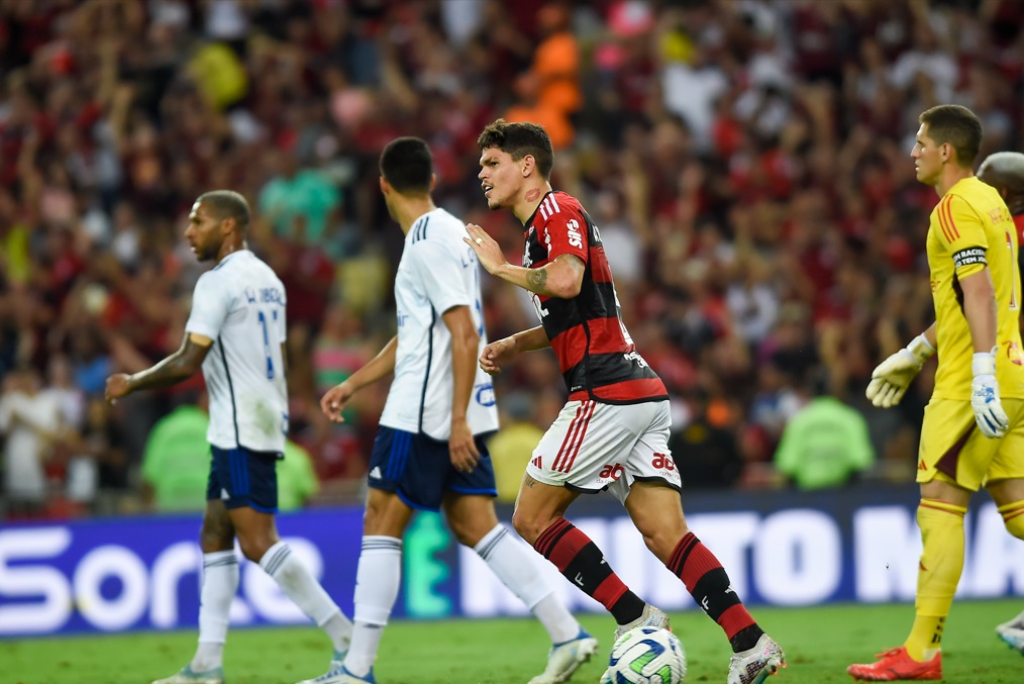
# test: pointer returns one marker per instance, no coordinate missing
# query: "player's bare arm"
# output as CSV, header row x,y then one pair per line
x,y
561,278
465,342
179,366
498,353
383,364
980,309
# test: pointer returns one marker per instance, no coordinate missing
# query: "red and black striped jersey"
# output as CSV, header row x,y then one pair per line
x,y
597,356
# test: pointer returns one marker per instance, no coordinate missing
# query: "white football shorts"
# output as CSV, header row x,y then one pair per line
x,y
593,446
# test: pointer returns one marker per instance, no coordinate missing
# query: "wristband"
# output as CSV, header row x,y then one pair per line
x,y
984,363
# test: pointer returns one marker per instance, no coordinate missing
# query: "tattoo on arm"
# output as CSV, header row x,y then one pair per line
x,y
536,279
529,481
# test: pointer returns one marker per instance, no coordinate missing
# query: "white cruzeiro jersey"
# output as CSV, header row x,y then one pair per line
x,y
240,305
438,271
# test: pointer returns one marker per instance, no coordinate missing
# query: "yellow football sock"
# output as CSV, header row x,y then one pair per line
x,y
942,561
1013,518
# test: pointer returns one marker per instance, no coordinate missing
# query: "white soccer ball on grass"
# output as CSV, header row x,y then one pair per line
x,y
646,655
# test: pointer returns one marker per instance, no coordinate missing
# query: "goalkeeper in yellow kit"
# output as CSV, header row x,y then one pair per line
x,y
973,431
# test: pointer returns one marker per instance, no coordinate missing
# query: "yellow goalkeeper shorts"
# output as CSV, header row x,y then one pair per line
x,y
952,444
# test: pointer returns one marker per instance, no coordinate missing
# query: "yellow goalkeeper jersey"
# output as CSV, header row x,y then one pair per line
x,y
971,228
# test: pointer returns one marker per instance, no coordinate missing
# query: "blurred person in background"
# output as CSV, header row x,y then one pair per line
x,y
825,444
973,429
431,451
176,462
30,420
296,480
1004,171
239,307
705,449
511,447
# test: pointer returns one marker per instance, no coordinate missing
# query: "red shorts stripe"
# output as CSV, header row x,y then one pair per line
x,y
583,435
567,442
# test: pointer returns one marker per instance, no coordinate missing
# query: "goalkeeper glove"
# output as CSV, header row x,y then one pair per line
x,y
892,377
988,409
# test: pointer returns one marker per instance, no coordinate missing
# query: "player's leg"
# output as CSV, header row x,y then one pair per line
x,y
378,579
251,504
952,460
219,586
1006,486
539,519
654,505
473,522
1009,498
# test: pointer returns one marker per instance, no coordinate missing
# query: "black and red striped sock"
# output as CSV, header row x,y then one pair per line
x,y
582,563
707,582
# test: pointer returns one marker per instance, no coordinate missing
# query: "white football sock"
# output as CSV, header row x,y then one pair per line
x,y
298,583
378,578
220,584
514,565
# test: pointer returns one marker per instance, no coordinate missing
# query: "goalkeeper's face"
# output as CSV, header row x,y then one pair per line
x,y
928,157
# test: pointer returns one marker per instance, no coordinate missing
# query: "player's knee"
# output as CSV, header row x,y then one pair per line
x,y
254,547
530,525
467,532
216,534
661,536
1015,525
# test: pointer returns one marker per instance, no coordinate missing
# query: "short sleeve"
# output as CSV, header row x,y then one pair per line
x,y
210,308
564,230
963,232
440,270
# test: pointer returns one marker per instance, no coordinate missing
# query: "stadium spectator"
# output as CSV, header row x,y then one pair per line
x,y
176,463
118,114
30,420
824,444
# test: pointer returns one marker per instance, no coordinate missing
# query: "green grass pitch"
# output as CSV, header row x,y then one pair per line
x,y
819,643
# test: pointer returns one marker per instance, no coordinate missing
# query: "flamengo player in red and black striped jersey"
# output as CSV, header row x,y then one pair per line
x,y
1004,171
613,431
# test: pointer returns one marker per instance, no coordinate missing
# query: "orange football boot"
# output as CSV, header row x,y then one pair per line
x,y
896,666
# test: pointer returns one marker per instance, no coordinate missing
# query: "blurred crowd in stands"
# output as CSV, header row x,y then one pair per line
x,y
746,162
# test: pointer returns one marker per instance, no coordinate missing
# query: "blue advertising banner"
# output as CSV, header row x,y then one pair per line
x,y
781,548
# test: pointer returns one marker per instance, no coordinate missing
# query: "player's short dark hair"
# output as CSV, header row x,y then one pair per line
x,y
407,164
520,139
225,204
956,125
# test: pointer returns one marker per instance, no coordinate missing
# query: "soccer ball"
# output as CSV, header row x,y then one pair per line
x,y
646,655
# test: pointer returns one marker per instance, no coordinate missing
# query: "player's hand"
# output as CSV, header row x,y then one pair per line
x,y
892,377
333,402
117,386
988,408
462,447
497,353
487,250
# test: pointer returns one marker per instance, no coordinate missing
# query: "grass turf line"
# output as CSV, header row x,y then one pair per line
x,y
819,642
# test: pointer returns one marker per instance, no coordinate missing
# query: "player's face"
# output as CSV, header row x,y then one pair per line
x,y
204,232
927,157
500,177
